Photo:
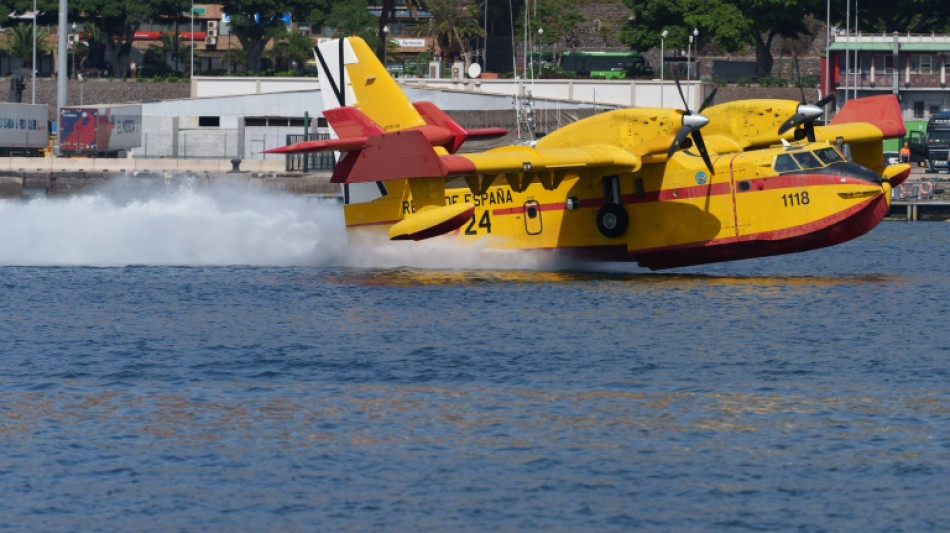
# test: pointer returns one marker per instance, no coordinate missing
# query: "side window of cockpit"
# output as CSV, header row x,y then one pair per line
x,y
829,156
807,160
785,163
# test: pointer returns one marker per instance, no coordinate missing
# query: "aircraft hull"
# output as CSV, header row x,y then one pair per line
x,y
723,219
835,230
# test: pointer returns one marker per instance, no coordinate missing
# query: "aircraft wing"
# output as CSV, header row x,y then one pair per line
x,y
856,132
408,154
513,159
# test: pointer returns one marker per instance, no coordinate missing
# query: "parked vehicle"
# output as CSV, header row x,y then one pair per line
x,y
932,145
24,129
607,65
101,130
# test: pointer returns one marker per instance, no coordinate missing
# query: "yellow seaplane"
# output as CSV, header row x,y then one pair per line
x,y
662,187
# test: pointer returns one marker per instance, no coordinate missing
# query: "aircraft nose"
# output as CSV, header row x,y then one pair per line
x,y
695,120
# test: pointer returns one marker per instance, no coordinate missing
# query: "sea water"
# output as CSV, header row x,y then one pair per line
x,y
191,359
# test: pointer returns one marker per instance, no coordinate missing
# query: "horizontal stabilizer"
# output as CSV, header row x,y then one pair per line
x,y
351,125
351,122
337,145
394,156
882,111
431,221
436,117
484,134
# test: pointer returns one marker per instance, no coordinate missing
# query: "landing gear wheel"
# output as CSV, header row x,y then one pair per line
x,y
612,220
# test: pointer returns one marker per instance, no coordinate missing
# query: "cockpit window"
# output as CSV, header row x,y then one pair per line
x,y
829,155
807,160
785,163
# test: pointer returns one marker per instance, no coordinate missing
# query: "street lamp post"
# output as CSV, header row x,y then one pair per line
x,y
385,43
34,52
538,49
80,89
662,58
192,38
827,86
72,46
689,47
695,49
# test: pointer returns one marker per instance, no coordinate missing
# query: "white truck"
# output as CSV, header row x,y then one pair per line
x,y
24,129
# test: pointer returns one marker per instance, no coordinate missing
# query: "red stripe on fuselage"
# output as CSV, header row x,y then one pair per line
x,y
781,181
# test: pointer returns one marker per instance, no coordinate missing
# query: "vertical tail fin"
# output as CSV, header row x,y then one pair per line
x,y
351,75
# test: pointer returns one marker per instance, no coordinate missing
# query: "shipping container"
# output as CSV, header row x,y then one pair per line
x,y
103,130
24,129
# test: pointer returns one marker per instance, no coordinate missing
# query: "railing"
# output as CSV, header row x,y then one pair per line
x,y
312,161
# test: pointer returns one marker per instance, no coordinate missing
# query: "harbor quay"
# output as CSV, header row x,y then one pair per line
x,y
923,197
53,176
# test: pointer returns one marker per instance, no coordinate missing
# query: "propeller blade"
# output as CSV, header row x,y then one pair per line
x,y
682,96
826,100
795,120
678,140
701,146
708,99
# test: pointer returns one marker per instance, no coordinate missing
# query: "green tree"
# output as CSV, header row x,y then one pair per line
x,y
914,16
351,17
291,47
19,42
555,19
112,25
255,22
731,24
174,50
453,24
386,15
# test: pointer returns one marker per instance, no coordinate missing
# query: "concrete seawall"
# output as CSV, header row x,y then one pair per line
x,y
130,164
32,176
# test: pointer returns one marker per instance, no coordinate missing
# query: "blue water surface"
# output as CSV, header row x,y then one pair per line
x,y
807,392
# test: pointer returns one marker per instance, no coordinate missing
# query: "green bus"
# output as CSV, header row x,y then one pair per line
x,y
607,65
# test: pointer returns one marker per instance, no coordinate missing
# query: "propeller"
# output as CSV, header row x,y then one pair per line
x,y
806,114
692,123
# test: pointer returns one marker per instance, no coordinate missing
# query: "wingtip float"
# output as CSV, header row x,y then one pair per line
x,y
735,182
431,221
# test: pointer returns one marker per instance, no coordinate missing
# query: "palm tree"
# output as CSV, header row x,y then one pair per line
x,y
95,48
453,23
173,48
389,8
19,42
291,48
79,51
